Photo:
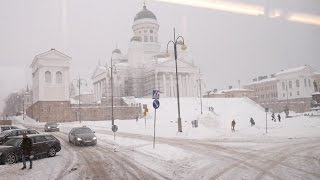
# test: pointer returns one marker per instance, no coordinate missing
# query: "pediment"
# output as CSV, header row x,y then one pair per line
x,y
98,71
52,54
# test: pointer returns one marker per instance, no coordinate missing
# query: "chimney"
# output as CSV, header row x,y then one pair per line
x,y
254,79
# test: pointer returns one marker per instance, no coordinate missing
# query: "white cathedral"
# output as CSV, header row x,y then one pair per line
x,y
146,67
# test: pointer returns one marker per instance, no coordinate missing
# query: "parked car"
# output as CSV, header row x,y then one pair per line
x,y
43,145
4,136
82,136
51,126
7,127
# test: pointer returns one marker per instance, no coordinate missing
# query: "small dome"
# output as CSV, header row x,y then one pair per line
x,y
136,38
116,51
145,13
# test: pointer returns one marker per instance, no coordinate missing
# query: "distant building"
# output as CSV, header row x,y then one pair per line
x,y
291,88
50,92
231,93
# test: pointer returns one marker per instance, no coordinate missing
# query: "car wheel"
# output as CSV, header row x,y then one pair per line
x,y
11,158
52,152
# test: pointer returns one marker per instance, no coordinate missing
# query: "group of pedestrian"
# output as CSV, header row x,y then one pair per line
x,y
273,118
252,122
211,108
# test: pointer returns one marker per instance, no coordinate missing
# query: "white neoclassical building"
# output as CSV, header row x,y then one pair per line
x,y
50,76
146,67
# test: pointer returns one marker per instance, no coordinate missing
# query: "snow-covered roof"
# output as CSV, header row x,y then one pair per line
x,y
263,81
292,70
237,90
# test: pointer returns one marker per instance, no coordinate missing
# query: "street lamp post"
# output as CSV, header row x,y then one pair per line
x,y
175,42
200,90
79,82
111,76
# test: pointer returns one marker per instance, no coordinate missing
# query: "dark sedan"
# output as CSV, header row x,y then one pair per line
x,y
43,145
82,136
51,126
4,136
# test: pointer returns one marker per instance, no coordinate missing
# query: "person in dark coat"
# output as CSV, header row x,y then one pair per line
x,y
233,124
279,117
252,121
26,147
273,117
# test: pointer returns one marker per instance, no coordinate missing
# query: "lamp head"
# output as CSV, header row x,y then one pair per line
x,y
183,47
167,54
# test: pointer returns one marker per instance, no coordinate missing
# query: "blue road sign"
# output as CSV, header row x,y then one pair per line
x,y
155,94
156,104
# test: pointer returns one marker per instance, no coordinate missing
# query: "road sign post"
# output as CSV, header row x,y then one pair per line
x,y
156,105
266,110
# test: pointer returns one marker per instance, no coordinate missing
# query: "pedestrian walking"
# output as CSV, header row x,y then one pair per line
x,y
26,147
233,124
252,121
279,117
273,117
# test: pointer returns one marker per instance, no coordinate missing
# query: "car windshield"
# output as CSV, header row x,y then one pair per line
x,y
52,124
13,142
83,131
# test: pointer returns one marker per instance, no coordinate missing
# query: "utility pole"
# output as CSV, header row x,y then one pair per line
x,y
200,90
79,82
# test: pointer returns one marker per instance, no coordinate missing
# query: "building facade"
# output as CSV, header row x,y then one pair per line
x,y
291,88
145,67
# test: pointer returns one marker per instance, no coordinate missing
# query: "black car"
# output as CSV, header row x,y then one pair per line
x,y
43,145
7,127
51,126
82,136
4,136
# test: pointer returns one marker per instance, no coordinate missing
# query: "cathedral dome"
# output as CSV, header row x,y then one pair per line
x,y
116,51
145,13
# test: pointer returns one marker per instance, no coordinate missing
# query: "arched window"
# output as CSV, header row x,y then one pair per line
x,y
48,77
58,77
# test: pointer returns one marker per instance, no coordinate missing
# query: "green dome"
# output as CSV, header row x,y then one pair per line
x,y
145,13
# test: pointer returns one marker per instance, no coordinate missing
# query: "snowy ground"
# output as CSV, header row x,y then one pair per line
x,y
290,149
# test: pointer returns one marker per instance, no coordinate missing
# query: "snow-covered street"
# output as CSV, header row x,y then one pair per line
x,y
131,156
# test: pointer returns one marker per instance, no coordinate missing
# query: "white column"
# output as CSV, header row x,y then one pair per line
x,y
188,85
164,85
156,79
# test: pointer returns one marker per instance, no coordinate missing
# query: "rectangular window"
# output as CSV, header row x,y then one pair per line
x,y
151,39
290,94
305,82
297,83
145,39
283,95
290,84
283,86
298,93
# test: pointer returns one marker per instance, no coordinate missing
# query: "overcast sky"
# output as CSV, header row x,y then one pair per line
x,y
226,46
